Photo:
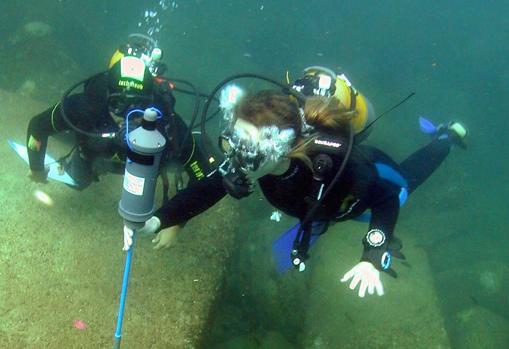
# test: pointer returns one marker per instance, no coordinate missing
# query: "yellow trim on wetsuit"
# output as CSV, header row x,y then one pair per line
x,y
195,166
344,94
33,144
117,56
53,116
116,158
197,170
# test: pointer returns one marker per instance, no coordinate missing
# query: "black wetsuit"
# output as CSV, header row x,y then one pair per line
x,y
359,188
89,112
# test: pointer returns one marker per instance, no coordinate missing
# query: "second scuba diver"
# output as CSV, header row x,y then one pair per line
x,y
97,117
307,165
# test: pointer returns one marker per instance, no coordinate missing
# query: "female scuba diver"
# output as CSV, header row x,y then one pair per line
x,y
308,166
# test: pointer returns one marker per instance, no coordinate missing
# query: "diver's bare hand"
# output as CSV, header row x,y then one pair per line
x,y
166,238
367,277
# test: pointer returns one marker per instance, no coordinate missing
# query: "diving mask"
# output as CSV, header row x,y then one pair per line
x,y
251,153
254,150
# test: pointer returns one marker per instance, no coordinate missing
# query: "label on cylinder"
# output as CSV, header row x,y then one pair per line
x,y
133,184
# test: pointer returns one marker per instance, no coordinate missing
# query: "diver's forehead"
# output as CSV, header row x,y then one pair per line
x,y
247,127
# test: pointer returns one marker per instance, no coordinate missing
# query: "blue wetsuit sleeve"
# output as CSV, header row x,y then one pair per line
x,y
192,201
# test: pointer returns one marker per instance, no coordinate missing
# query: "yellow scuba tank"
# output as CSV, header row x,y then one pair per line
x,y
321,81
354,100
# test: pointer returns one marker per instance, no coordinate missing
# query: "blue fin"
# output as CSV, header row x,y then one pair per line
x,y
283,245
427,126
55,173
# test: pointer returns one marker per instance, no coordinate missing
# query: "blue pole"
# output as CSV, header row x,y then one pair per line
x,y
123,295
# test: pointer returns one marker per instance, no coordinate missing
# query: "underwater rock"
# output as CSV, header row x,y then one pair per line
x,y
477,325
490,281
247,341
483,284
27,88
29,32
263,295
36,65
275,340
258,340
170,298
407,316
37,29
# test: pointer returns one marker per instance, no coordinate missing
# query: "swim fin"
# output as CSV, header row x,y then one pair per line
x,y
283,245
427,126
55,172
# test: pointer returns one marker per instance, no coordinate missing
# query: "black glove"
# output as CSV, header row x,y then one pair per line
x,y
380,255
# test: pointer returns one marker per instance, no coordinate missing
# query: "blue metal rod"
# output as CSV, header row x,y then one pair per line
x,y
123,295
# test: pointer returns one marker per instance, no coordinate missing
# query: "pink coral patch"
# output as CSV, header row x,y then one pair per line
x,y
79,324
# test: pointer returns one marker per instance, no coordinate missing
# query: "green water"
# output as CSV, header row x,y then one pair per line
x,y
452,54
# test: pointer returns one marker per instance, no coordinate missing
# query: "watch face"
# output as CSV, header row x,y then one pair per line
x,y
375,237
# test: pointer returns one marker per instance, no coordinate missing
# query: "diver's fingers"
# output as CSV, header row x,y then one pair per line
x,y
379,288
159,245
156,241
363,287
371,288
348,275
355,281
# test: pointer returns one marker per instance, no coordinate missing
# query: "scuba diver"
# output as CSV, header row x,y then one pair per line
x,y
101,115
308,166
322,81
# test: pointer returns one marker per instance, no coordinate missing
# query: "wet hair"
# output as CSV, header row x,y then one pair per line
x,y
269,107
327,114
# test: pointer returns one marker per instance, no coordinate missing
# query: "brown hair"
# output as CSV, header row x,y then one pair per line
x,y
268,107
